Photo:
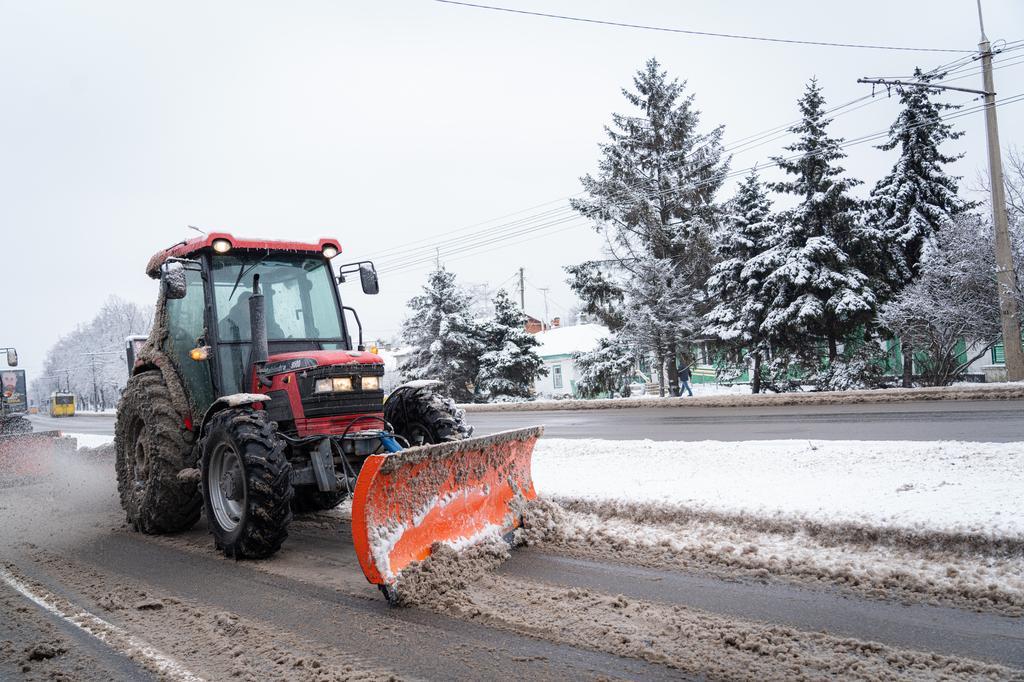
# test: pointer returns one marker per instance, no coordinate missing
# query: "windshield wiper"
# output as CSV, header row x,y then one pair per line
x,y
242,272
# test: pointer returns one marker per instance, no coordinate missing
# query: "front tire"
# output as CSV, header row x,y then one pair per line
x,y
424,417
246,483
153,447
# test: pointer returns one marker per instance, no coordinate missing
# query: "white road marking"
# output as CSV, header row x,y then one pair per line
x,y
116,638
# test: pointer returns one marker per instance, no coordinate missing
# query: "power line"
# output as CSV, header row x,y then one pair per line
x,y
410,257
400,255
397,256
471,249
706,34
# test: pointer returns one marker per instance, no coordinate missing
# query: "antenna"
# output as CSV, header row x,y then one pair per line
x,y
193,227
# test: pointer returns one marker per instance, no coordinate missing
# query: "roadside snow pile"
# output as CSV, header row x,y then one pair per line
x,y
90,440
941,485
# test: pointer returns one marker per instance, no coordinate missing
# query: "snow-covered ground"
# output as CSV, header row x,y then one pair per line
x,y
943,485
704,389
90,440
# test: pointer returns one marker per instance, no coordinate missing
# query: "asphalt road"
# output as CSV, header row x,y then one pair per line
x,y
99,424
973,420
311,602
979,421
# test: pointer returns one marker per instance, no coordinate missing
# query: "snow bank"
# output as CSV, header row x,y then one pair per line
x,y
90,440
946,485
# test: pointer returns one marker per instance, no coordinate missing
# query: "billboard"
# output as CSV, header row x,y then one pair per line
x,y
14,390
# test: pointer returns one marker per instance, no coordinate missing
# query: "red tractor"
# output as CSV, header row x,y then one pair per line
x,y
249,401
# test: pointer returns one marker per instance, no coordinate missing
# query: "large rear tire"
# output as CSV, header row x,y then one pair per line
x,y
153,447
246,483
422,416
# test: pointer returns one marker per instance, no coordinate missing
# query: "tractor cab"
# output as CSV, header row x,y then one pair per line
x,y
262,317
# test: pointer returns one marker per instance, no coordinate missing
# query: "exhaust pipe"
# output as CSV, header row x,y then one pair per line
x,y
258,325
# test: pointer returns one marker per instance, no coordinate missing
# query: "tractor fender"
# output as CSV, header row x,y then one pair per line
x,y
417,384
233,400
150,358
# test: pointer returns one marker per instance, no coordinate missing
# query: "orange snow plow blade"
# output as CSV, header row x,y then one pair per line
x,y
455,492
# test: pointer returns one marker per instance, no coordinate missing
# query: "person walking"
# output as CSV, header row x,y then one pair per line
x,y
684,380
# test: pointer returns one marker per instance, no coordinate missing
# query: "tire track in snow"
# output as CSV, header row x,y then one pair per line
x,y
116,638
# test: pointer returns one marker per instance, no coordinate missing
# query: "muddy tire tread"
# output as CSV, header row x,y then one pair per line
x,y
168,504
442,417
268,482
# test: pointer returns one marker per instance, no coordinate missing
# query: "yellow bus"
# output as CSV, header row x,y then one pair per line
x,y
62,404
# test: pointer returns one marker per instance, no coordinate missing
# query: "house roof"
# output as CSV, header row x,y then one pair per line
x,y
579,338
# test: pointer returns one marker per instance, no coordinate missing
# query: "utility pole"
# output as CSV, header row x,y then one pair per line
x,y
546,318
1006,279
522,291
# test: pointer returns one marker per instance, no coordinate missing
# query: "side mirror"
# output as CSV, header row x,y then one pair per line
x,y
172,280
12,357
368,278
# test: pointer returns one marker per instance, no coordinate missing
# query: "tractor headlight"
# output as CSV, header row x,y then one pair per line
x,y
371,383
330,251
333,385
221,245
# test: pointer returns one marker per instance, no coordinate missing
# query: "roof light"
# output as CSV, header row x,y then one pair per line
x,y
330,250
221,245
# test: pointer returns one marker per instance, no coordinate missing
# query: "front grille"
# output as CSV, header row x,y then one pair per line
x,y
332,404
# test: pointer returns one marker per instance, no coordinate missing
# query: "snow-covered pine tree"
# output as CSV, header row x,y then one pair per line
x,y
601,294
917,199
509,364
607,368
654,200
818,290
736,285
444,337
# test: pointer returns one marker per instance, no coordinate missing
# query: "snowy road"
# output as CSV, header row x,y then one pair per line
x,y
994,421
99,424
695,597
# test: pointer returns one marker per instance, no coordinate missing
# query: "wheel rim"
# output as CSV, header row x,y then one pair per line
x,y
225,486
419,434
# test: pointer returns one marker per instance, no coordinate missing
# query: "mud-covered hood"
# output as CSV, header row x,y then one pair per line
x,y
325,358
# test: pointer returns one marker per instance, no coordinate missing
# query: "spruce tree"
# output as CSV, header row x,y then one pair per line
x,y
509,364
606,369
653,198
917,199
445,339
736,285
817,287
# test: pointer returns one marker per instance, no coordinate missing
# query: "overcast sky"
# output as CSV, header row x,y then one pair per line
x,y
390,123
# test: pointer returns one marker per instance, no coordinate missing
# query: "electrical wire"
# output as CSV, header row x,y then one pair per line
x,y
396,256
393,256
399,258
707,34
468,250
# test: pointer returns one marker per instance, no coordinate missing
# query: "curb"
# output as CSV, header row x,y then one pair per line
x,y
891,395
